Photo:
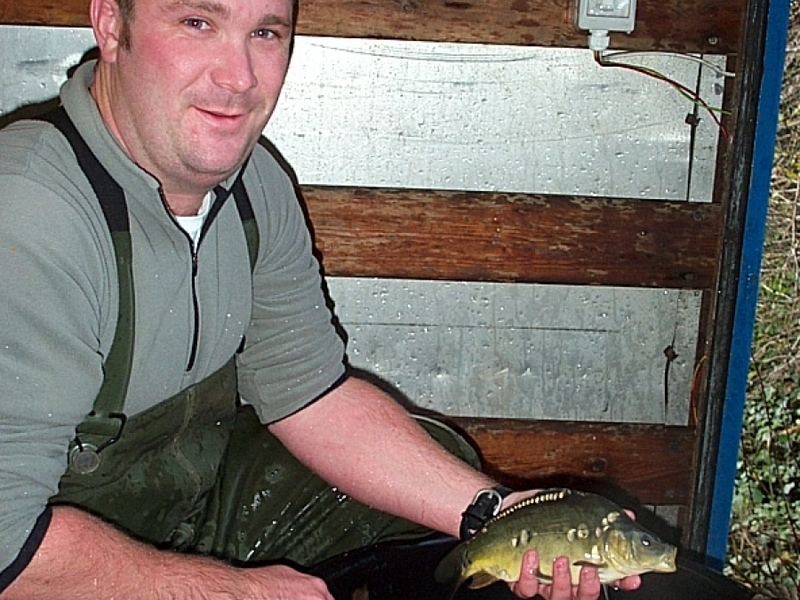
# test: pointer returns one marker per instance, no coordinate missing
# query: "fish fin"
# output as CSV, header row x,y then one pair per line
x,y
482,579
588,563
544,578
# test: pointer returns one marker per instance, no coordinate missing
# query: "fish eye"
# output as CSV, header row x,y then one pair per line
x,y
646,541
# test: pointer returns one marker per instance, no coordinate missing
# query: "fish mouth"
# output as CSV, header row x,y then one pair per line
x,y
668,562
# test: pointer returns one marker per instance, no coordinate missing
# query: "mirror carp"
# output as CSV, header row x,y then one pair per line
x,y
587,528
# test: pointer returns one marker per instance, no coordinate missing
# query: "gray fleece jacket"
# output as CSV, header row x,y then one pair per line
x,y
58,301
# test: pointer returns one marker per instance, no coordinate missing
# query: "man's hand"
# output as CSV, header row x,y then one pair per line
x,y
562,588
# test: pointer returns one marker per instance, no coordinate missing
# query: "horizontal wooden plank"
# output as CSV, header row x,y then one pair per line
x,y
678,25
652,464
481,236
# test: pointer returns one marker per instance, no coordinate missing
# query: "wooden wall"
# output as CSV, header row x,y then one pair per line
x,y
480,236
710,26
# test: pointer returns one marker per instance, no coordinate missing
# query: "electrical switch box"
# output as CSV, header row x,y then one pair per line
x,y
606,15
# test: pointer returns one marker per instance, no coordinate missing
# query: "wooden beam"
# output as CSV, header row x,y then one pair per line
x,y
650,463
710,26
678,25
474,236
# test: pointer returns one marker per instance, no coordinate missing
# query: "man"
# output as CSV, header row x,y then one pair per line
x,y
124,244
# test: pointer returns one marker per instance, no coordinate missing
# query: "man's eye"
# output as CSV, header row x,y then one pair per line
x,y
196,23
264,33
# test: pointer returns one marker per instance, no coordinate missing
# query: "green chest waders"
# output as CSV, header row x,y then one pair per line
x,y
195,473
146,473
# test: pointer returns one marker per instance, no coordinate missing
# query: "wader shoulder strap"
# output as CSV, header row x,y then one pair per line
x,y
110,399
245,209
107,418
248,218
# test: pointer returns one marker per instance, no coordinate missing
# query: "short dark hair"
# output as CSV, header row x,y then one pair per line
x,y
126,15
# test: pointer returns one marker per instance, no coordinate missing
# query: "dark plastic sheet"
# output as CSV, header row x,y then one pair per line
x,y
404,571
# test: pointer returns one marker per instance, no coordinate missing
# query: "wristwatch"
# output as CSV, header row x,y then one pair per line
x,y
485,505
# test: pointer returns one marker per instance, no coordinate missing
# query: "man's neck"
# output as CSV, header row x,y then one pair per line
x,y
182,206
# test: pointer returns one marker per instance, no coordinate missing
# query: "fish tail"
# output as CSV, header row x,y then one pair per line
x,y
451,565
450,569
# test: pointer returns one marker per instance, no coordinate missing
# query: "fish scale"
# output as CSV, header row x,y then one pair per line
x,y
586,528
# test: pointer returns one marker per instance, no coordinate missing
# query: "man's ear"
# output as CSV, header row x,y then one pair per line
x,y
107,26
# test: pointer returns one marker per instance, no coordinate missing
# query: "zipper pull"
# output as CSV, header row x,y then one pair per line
x,y
194,260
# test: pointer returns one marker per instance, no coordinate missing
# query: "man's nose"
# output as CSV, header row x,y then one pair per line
x,y
234,68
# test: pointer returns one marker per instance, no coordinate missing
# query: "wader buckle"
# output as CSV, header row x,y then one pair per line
x,y
84,457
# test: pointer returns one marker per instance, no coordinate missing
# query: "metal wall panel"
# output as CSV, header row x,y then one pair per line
x,y
453,116
532,351
34,62
379,113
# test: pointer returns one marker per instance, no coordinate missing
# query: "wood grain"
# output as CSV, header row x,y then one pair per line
x,y
651,463
474,236
678,25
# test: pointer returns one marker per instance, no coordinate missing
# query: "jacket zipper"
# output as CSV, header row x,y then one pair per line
x,y
193,250
195,302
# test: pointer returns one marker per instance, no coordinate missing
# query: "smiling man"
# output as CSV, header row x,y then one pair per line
x,y
174,397
190,100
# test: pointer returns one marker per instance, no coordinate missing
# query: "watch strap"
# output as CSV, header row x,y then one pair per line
x,y
485,505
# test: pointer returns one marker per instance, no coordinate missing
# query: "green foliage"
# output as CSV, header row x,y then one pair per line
x,y
765,529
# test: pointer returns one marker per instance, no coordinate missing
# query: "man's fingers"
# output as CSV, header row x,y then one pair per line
x,y
528,585
562,584
588,584
629,583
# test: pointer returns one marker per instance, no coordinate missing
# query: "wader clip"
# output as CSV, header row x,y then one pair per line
x,y
84,457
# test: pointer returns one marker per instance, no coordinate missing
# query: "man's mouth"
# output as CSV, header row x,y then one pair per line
x,y
222,117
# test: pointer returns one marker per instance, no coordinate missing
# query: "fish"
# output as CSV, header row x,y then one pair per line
x,y
588,529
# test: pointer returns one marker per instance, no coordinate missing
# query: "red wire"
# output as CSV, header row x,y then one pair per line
x,y
598,57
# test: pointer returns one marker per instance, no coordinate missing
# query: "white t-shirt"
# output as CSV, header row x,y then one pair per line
x,y
192,224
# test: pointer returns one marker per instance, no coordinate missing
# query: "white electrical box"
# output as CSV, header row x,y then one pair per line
x,y
606,15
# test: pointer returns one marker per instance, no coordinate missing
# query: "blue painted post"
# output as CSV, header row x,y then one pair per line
x,y
747,293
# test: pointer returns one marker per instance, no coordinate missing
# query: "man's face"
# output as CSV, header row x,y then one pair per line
x,y
191,94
